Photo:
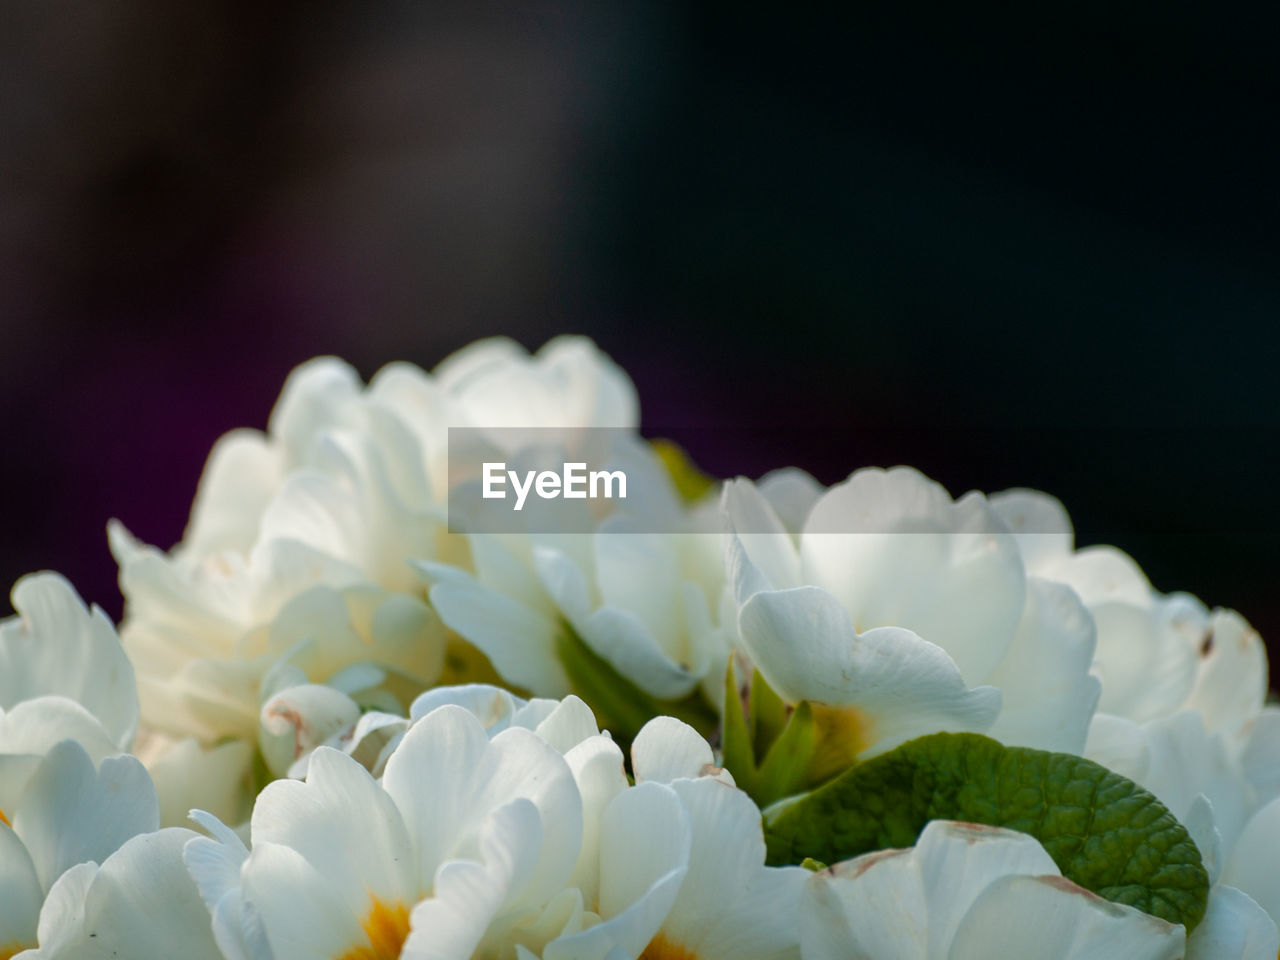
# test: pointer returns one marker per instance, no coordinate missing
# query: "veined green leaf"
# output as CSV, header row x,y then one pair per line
x,y
1103,831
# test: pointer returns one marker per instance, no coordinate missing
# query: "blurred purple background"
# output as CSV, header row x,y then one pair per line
x,y
1032,248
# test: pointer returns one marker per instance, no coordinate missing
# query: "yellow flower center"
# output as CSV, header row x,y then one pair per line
x,y
843,733
5,821
387,927
660,948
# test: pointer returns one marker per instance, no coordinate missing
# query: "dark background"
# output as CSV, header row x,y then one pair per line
x,y
1010,244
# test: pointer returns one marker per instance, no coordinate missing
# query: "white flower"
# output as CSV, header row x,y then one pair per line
x,y
502,827
641,592
897,612
63,674
1156,654
68,802
729,905
561,723
140,903
466,841
1181,714
69,812
640,601
1199,778
304,534
966,891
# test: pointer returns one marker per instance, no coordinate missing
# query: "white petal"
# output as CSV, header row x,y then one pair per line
x,y
519,642
844,916
20,893
792,493
760,540
1231,683
493,706
241,475
764,923
62,917
214,862
666,749
639,573
317,395
1039,521
70,812
1049,696
1119,745
303,911
1233,928
909,903
237,930
1261,757
1049,918
726,853
1146,667
470,776
621,638
894,549
598,771
1252,864
468,894
187,776
297,720
58,646
343,824
958,861
644,851
140,904
568,724
1187,760
1101,574
901,686
1202,826
33,727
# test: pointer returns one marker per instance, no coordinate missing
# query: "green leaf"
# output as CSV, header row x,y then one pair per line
x,y
1103,831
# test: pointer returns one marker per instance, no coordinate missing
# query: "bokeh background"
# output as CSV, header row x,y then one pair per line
x,y
1010,244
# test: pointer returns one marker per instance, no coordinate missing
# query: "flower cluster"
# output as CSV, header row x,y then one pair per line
x,y
730,721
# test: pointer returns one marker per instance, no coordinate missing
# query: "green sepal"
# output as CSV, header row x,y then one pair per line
x,y
786,767
768,714
738,755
